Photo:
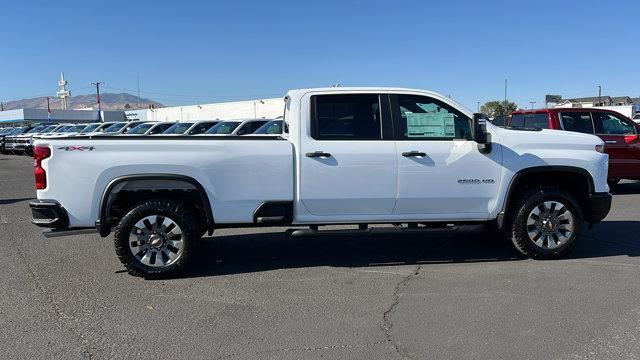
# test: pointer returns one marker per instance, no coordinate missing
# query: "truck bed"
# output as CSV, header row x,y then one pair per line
x,y
238,173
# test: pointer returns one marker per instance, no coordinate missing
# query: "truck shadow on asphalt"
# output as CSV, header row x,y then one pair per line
x,y
246,253
13,201
626,188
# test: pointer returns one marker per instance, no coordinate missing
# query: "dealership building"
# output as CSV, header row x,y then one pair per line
x,y
28,116
263,108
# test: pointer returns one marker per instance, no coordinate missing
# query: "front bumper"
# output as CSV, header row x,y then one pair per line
x,y
598,205
48,214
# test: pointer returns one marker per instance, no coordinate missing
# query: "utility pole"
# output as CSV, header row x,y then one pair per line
x,y
1,106
599,95
138,93
532,102
48,109
97,84
478,106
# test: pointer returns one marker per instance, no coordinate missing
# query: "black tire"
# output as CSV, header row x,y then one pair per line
x,y
166,209
518,230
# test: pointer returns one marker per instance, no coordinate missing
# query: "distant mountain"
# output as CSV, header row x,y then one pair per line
x,y
109,101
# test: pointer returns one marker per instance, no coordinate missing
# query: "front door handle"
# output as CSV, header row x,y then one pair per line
x,y
611,142
318,154
414,153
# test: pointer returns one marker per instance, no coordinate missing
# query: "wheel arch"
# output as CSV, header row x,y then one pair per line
x,y
573,175
119,183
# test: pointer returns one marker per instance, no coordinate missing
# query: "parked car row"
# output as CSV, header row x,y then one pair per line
x,y
620,134
19,140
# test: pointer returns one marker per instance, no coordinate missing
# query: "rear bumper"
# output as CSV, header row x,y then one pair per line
x,y
599,205
48,214
51,215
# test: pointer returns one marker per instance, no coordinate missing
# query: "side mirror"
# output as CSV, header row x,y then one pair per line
x,y
480,133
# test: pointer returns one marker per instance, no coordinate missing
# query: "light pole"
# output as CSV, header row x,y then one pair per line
x,y
532,102
599,95
478,106
505,91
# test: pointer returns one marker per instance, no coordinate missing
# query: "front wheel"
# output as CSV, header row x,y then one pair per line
x,y
546,223
156,239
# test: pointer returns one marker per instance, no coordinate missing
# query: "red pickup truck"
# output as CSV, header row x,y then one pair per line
x,y
619,133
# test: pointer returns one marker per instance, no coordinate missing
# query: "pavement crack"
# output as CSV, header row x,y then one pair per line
x,y
387,323
386,316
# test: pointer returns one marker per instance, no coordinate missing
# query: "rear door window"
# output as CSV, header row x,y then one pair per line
x,y
539,121
577,121
346,117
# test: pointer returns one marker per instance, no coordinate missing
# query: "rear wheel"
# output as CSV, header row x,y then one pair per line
x,y
156,238
546,223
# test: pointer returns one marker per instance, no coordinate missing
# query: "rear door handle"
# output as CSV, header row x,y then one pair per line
x,y
317,154
611,142
414,153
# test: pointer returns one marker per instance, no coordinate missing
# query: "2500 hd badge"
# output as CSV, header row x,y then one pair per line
x,y
476,181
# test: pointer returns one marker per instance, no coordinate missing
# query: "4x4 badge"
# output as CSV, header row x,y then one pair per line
x,y
76,148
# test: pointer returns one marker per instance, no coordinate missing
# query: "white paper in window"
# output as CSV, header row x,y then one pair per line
x,y
430,125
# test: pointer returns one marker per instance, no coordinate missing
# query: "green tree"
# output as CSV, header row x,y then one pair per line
x,y
498,108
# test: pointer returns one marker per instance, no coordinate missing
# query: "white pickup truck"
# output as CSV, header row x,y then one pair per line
x,y
355,156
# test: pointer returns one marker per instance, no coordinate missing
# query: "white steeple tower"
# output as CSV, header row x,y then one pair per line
x,y
63,93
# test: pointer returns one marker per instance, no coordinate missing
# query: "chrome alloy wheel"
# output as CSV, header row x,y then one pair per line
x,y
156,241
550,224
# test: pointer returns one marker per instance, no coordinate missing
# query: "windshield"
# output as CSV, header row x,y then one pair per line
x,y
36,129
64,129
76,128
115,127
178,128
90,128
272,127
48,129
140,129
103,127
226,127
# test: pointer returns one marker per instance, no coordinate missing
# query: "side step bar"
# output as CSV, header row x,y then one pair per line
x,y
364,229
68,232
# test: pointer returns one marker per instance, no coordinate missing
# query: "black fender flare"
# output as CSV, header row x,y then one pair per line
x,y
540,169
104,228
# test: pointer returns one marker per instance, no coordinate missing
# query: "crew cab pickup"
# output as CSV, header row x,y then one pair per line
x,y
355,156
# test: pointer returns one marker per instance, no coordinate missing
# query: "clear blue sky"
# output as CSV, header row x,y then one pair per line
x,y
187,52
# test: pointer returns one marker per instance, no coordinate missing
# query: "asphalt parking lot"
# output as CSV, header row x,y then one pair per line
x,y
256,294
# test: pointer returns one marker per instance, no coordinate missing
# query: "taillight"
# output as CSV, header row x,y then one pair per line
x,y
40,153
